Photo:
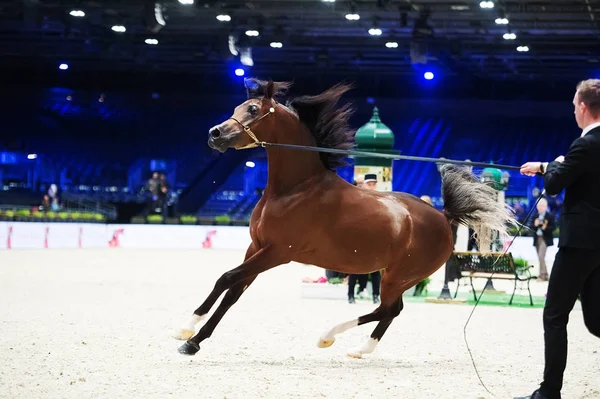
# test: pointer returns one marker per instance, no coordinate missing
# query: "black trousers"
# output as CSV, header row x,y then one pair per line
x,y
575,272
362,282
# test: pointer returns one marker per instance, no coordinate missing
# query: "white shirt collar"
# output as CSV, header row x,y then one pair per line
x,y
590,127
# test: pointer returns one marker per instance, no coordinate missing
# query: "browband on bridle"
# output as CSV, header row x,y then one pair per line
x,y
250,133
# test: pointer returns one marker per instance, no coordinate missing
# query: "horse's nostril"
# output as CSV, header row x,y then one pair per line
x,y
215,132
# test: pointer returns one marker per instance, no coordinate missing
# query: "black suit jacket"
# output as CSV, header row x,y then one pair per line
x,y
547,233
579,176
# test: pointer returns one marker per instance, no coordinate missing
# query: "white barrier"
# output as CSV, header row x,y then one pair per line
x,y
18,235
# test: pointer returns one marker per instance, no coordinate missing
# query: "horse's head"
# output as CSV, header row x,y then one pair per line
x,y
250,121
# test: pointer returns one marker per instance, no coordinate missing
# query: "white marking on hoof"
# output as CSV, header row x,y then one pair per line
x,y
183,335
325,343
355,353
188,329
328,338
368,347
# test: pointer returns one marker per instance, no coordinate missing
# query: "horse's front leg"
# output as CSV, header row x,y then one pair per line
x,y
257,261
233,294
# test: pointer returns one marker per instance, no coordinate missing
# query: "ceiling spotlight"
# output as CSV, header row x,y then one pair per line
x,y
391,45
276,44
187,2
239,72
77,13
328,1
118,28
63,67
252,32
428,75
486,4
522,49
31,156
352,17
501,21
375,32
223,18
250,164
151,41
509,36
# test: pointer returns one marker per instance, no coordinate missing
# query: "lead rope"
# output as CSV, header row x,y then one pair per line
x,y
480,296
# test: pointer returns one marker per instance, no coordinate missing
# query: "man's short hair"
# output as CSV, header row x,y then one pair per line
x,y
589,94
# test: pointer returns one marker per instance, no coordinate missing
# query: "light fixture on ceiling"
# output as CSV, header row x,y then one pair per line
x,y
118,28
391,45
252,33
276,44
501,21
77,13
186,2
352,16
486,4
223,18
375,32
509,36
522,49
153,42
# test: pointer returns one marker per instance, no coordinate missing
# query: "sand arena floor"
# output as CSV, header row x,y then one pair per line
x,y
97,324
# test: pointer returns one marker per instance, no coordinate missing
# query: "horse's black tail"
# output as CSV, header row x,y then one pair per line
x,y
471,202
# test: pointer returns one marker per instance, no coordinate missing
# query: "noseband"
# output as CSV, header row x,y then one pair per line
x,y
250,133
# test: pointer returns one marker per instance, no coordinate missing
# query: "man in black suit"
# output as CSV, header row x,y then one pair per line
x,y
543,227
576,269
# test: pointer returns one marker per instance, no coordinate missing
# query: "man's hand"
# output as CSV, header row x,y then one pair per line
x,y
560,159
530,168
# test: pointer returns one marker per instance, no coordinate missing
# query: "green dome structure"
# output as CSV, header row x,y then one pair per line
x,y
494,175
375,136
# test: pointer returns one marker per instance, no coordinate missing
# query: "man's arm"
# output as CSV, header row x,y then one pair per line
x,y
560,175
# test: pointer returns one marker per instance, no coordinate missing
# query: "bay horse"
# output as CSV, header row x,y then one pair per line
x,y
308,214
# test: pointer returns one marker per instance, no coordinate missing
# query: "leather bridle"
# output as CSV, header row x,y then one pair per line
x,y
250,133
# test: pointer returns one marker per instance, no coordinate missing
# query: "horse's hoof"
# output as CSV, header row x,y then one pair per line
x,y
183,334
189,348
355,353
325,343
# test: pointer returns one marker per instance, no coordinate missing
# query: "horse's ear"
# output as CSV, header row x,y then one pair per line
x,y
270,92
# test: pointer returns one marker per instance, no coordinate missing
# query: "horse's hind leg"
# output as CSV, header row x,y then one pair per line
x,y
369,346
327,339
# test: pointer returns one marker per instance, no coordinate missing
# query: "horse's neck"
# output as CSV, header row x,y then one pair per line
x,y
289,168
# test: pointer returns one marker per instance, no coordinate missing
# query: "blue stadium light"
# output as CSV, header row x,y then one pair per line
x,y
32,156
63,67
428,75
239,72
250,164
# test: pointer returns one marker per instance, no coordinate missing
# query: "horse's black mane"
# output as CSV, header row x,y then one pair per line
x,y
327,123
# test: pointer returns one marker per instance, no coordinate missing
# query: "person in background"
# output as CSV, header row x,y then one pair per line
x,y
55,205
152,188
45,206
543,226
163,192
369,183
576,269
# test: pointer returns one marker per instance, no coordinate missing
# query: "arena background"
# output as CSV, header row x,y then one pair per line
x,y
96,96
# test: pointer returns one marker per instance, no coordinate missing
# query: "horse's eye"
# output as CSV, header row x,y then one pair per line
x,y
253,110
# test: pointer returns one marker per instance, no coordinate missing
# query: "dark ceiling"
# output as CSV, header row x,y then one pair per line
x,y
452,38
